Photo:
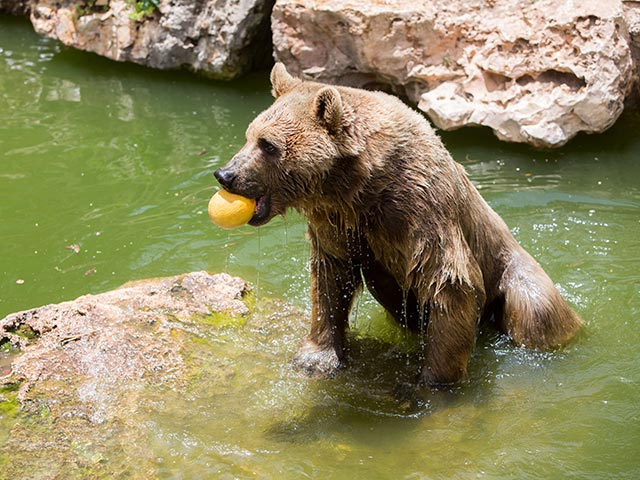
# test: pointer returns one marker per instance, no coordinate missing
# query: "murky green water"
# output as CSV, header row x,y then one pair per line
x,y
118,160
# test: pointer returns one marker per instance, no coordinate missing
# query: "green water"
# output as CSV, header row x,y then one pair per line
x,y
118,160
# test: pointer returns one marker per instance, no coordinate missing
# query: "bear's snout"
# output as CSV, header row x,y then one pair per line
x,y
226,177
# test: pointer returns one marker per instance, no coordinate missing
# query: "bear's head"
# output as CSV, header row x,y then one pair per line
x,y
290,148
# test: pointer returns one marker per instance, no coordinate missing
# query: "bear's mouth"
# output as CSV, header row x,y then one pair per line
x,y
261,214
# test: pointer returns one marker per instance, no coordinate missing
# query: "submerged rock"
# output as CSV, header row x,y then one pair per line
x,y
535,72
98,343
86,369
222,39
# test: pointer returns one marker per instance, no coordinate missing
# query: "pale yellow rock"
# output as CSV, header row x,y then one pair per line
x,y
228,210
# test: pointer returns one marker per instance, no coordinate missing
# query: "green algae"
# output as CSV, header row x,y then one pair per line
x,y
229,319
9,405
223,320
9,414
6,347
24,331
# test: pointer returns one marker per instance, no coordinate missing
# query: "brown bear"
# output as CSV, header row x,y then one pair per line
x,y
386,204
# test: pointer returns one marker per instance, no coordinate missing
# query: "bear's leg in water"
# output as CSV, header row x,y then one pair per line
x,y
334,283
454,312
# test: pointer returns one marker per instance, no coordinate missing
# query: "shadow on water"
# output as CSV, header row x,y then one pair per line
x,y
616,138
378,387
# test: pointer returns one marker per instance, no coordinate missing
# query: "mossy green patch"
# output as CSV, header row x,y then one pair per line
x,y
87,7
6,347
143,9
230,319
9,406
25,331
9,411
224,320
9,387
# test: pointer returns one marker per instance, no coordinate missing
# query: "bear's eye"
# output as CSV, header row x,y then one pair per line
x,y
267,147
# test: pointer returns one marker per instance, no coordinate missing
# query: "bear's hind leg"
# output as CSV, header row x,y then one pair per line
x,y
454,312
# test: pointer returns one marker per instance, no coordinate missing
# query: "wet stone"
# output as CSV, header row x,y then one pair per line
x,y
78,378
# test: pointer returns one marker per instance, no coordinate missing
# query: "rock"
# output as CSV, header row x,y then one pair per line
x,y
14,7
535,72
98,343
93,381
221,39
631,9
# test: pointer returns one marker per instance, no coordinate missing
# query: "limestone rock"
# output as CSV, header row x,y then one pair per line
x,y
535,72
222,39
86,385
102,342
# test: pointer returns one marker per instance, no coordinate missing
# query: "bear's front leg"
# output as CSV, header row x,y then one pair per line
x,y
334,283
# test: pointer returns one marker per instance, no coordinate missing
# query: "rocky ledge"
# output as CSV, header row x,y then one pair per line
x,y
537,72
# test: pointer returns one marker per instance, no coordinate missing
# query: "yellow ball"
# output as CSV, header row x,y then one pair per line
x,y
228,210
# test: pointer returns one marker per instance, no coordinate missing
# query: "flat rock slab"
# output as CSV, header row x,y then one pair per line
x,y
534,72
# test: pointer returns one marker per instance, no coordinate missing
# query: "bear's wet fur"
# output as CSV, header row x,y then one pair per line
x,y
389,208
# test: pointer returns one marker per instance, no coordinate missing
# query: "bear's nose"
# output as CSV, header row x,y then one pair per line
x,y
225,176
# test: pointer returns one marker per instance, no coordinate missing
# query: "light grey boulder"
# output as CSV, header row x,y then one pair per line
x,y
221,39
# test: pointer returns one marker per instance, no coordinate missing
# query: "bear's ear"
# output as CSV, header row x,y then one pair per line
x,y
328,106
281,80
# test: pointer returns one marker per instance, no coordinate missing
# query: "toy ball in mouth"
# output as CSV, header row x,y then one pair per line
x,y
228,210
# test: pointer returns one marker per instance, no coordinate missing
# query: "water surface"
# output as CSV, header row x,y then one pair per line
x,y
105,174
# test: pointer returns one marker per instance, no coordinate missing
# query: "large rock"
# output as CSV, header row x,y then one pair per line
x,y
535,72
102,343
222,39
87,385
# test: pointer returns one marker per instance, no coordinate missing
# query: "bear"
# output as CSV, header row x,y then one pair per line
x,y
388,208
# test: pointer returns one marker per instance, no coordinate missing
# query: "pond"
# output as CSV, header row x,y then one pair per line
x,y
105,174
